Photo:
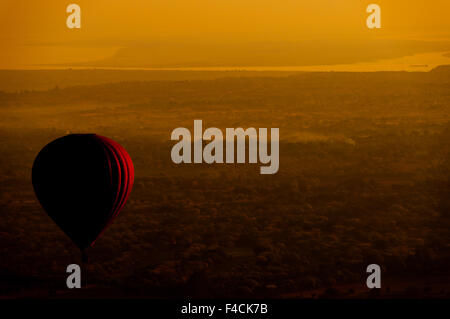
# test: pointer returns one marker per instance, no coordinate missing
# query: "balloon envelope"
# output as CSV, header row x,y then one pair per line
x,y
82,181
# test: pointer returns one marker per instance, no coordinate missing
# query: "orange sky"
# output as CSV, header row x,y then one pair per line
x,y
33,32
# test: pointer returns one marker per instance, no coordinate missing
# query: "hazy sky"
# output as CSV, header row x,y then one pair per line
x,y
34,31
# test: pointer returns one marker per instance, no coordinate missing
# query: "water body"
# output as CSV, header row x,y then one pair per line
x,y
418,62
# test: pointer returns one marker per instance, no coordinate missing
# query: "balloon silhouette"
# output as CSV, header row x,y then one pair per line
x,y
82,181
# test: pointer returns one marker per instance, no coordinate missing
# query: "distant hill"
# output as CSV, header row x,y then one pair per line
x,y
441,69
42,80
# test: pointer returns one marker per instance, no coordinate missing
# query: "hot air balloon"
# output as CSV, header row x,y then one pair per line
x,y
82,181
